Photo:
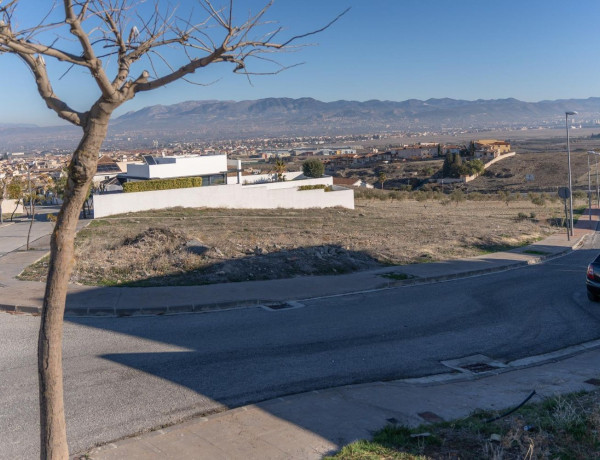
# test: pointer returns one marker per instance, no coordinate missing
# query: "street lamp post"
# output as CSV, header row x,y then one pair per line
x,y
593,152
589,191
569,163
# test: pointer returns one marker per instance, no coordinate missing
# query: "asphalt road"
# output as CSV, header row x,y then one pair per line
x,y
123,375
13,235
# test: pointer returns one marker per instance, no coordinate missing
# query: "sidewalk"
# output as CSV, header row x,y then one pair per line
x,y
26,297
310,425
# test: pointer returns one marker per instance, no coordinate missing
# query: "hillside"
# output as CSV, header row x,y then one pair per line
x,y
306,116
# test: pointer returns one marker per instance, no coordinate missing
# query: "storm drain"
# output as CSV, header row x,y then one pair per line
x,y
479,367
475,364
282,306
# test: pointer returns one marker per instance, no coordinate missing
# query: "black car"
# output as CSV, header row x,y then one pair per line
x,y
592,280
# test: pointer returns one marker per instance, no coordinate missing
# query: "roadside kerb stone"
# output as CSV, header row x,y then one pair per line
x,y
451,276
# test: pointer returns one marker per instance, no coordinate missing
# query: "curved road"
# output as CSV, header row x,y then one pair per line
x,y
123,375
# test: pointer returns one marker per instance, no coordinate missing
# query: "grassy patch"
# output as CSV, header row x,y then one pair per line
x,y
562,427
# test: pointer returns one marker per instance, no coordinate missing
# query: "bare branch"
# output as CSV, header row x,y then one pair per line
x,y
308,34
94,63
38,68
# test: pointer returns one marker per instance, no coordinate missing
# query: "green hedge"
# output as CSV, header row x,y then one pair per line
x,y
327,188
162,184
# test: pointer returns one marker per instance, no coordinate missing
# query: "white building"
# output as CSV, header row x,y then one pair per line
x,y
212,168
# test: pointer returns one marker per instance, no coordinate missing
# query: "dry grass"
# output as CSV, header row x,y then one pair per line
x,y
562,427
196,246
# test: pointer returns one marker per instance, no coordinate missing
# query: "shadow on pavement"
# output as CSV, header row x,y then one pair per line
x,y
249,355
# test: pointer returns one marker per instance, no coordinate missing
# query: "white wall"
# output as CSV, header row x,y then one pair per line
x,y
223,196
325,180
8,206
254,178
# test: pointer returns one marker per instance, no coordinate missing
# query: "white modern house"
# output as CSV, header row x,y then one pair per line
x,y
212,168
218,190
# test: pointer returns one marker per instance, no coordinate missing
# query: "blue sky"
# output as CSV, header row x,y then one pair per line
x,y
382,49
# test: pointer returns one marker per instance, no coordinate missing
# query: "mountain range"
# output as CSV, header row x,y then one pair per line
x,y
307,116
213,120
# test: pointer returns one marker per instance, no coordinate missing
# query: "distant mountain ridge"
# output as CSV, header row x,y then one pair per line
x,y
213,120
309,116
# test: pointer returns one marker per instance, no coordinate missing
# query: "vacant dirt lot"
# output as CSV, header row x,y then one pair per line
x,y
198,246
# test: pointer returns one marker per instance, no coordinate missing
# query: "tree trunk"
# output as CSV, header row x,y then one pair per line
x,y
15,210
81,170
31,222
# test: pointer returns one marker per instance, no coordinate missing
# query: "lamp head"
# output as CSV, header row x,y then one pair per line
x,y
570,113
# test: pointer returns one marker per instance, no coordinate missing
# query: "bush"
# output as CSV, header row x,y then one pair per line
x,y
162,184
327,188
521,216
313,167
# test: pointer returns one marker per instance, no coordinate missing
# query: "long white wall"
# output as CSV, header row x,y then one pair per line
x,y
8,206
223,196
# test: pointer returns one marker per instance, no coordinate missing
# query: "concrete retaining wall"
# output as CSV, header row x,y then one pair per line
x,y
263,196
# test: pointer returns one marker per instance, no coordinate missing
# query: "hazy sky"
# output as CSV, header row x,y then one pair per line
x,y
382,49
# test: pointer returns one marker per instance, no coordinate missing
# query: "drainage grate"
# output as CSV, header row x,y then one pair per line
x,y
478,368
595,382
289,305
278,306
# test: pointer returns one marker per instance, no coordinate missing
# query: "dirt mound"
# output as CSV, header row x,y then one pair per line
x,y
155,236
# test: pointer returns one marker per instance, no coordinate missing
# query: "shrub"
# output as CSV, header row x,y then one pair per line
x,y
313,167
162,184
327,188
457,196
521,216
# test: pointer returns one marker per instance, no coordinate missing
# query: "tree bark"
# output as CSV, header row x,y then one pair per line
x,y
81,171
15,210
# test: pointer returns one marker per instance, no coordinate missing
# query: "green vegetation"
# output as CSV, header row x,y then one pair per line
x,y
313,167
327,188
562,427
455,167
162,184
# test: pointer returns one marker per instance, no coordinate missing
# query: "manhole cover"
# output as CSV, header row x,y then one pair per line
x,y
479,367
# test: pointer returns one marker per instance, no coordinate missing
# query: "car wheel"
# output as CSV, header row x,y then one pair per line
x,y
592,297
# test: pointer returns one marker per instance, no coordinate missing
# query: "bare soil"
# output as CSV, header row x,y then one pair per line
x,y
199,246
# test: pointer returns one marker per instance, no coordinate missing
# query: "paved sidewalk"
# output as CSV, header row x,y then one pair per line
x,y
26,297
310,425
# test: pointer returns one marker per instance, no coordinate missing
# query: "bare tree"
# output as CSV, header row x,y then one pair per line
x,y
3,191
107,38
